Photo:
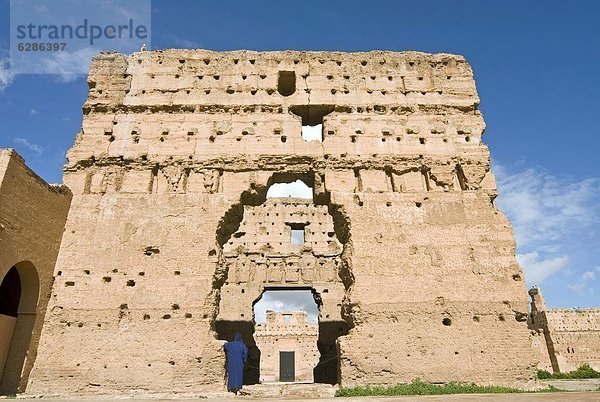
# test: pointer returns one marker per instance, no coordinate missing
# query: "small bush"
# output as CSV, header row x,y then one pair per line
x,y
544,375
583,372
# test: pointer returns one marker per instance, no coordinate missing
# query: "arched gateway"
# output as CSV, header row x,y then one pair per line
x,y
285,243
19,293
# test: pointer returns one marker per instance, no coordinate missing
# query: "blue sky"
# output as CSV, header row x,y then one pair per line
x,y
536,65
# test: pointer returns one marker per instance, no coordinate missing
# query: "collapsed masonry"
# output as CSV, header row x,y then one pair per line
x,y
170,237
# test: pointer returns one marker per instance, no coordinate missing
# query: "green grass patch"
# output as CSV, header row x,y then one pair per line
x,y
418,387
583,372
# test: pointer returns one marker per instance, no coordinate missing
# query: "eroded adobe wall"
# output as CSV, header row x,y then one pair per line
x,y
567,339
564,339
175,143
32,219
576,337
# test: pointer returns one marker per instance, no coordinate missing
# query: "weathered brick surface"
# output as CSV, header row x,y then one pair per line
x,y
168,223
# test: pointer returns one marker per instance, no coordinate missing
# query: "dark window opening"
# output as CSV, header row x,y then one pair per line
x,y
286,83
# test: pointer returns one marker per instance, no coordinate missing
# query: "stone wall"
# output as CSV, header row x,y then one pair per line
x,y
287,332
564,338
178,149
32,219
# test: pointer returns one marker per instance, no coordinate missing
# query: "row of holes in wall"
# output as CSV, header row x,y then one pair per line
x,y
299,226
286,85
287,77
309,232
353,138
271,91
283,138
108,279
445,321
355,63
386,132
145,316
500,317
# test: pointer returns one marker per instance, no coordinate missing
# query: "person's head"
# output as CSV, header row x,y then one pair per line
x,y
238,337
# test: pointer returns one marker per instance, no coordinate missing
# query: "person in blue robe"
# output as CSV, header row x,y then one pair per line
x,y
237,354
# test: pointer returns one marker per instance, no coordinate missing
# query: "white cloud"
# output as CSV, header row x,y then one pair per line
x,y
179,42
6,75
33,112
581,289
67,66
543,207
590,275
312,133
296,189
537,270
29,145
549,215
187,44
286,300
583,286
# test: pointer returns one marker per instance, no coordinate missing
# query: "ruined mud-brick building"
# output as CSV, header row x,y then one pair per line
x,y
289,347
564,339
170,237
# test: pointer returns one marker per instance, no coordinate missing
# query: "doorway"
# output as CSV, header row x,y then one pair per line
x,y
287,367
287,334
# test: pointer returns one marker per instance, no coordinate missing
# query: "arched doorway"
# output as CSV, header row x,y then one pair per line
x,y
19,292
285,235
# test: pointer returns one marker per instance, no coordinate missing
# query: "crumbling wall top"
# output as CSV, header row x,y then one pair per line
x,y
204,77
